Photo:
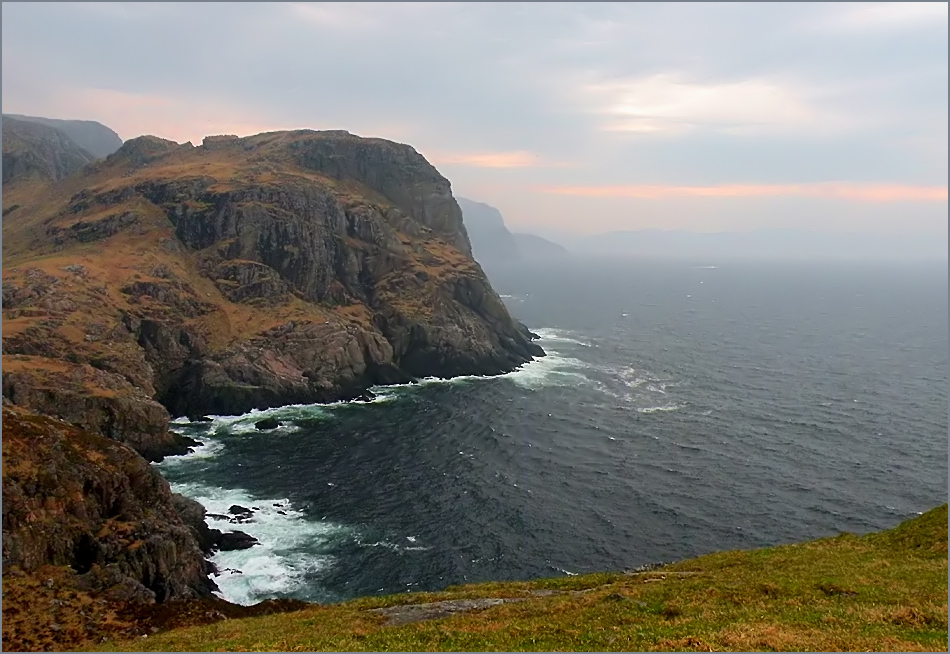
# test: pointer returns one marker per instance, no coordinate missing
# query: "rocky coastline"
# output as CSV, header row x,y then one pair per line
x,y
170,280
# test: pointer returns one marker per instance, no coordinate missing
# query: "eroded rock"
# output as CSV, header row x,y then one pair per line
x,y
72,498
235,540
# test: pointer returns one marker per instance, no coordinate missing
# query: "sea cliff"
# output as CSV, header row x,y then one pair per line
x,y
168,280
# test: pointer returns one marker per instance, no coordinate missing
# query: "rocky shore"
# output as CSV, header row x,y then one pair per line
x,y
171,280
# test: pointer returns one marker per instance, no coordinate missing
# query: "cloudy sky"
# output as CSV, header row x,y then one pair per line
x,y
569,118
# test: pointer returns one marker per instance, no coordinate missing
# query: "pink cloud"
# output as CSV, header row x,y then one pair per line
x,y
856,192
134,114
511,159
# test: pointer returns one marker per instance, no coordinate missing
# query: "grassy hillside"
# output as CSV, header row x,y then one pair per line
x,y
884,591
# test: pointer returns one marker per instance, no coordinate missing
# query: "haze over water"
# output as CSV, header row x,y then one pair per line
x,y
683,407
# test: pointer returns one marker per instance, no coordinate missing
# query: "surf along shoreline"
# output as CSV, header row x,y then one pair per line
x,y
272,525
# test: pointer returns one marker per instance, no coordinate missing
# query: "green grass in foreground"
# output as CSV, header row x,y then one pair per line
x,y
884,591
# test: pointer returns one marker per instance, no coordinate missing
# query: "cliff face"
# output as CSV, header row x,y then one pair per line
x,y
287,267
494,246
71,498
491,240
95,138
168,279
39,153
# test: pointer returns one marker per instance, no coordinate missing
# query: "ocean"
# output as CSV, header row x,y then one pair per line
x,y
684,407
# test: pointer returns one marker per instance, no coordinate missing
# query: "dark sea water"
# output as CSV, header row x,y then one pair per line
x,y
682,408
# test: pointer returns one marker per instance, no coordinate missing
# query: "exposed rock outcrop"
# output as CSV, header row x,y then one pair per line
x,y
267,423
235,540
71,498
288,267
245,273
98,401
494,246
93,137
491,240
209,540
36,152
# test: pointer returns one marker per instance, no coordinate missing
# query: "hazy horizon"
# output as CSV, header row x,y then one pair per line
x,y
569,118
722,247
782,243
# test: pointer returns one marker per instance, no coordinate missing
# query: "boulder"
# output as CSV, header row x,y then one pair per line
x,y
235,540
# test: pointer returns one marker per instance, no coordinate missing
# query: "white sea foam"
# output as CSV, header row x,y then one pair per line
x,y
550,370
658,409
247,427
553,369
208,449
259,414
245,423
290,544
396,547
634,378
559,336
461,379
636,382
379,398
288,548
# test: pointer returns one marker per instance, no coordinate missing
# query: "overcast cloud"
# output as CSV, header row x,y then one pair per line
x,y
570,117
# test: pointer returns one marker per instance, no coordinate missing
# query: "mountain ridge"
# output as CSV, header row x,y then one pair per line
x,y
34,153
494,244
92,136
314,222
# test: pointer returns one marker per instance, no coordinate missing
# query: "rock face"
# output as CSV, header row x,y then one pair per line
x,y
491,240
168,279
101,402
95,138
210,540
32,151
71,498
493,245
287,267
235,540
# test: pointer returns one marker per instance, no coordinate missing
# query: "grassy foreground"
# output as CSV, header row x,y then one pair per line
x,y
883,591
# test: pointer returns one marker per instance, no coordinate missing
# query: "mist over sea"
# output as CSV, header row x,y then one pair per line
x,y
684,407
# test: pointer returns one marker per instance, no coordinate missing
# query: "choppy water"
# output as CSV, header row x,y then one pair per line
x,y
682,409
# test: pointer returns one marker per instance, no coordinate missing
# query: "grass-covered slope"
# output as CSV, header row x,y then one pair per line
x,y
884,591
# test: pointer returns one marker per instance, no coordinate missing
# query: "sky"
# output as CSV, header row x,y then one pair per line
x,y
569,118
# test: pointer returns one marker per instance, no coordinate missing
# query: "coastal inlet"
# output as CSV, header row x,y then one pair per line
x,y
658,427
